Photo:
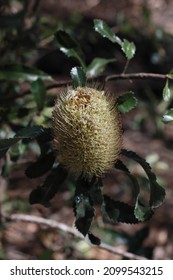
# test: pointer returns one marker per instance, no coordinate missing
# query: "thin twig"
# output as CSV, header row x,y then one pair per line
x,y
134,76
70,230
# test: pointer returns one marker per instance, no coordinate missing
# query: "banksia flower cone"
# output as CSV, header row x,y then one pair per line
x,y
87,131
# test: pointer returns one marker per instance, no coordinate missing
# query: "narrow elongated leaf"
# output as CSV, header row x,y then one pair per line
x,y
30,132
94,239
78,77
84,213
168,116
22,72
5,144
25,133
119,211
102,28
141,212
127,102
65,40
43,194
97,66
157,193
39,92
128,48
41,166
70,47
166,92
83,206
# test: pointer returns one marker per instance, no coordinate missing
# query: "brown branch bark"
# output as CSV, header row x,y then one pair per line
x,y
64,228
133,76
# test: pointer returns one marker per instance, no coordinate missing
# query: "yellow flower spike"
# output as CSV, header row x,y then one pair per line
x,y
87,131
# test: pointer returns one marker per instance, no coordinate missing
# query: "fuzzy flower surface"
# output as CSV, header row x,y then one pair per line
x,y
87,131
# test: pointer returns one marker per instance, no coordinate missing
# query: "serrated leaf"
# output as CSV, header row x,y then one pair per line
x,y
128,48
97,66
44,193
41,166
39,92
127,102
94,239
102,28
22,72
142,213
166,92
157,193
168,117
83,206
69,47
119,211
84,212
78,77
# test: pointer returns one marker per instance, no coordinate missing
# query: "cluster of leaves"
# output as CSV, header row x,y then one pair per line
x,y
88,194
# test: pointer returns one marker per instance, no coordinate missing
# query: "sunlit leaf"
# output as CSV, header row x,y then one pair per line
x,y
97,66
102,28
78,77
168,117
22,72
127,102
166,92
128,48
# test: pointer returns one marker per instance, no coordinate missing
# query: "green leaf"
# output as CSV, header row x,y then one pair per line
x,y
83,206
39,92
128,48
69,46
65,40
157,193
127,102
142,213
97,66
102,28
94,239
78,77
30,132
168,117
166,92
41,166
5,144
119,211
25,133
43,194
22,72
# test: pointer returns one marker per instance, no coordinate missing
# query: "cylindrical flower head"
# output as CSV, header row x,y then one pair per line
x,y
87,131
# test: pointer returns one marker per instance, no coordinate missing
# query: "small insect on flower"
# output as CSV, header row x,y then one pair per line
x,y
87,131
